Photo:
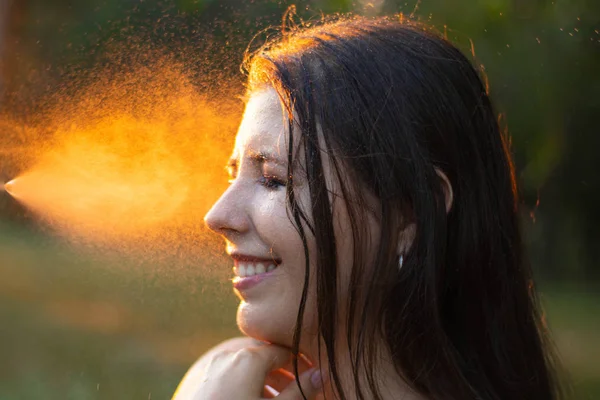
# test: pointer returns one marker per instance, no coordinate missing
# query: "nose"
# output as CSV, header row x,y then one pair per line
x,y
228,215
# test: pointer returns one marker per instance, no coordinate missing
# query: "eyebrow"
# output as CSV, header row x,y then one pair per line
x,y
259,157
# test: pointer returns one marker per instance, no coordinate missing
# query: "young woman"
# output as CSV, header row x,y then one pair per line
x,y
373,226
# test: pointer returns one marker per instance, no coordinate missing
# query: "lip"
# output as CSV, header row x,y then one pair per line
x,y
239,257
247,282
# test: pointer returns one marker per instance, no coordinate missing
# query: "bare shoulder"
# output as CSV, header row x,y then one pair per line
x,y
189,381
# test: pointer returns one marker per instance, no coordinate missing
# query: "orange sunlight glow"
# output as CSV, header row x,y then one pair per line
x,y
137,157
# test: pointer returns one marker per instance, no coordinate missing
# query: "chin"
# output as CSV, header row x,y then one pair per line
x,y
260,324
274,326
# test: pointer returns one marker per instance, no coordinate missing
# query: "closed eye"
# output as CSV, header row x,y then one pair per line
x,y
271,182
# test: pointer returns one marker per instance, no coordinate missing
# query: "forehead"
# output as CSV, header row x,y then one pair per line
x,y
263,126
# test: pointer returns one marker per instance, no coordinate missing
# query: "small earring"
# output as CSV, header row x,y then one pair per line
x,y
400,261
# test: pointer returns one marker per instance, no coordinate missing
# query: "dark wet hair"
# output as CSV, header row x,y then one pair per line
x,y
396,103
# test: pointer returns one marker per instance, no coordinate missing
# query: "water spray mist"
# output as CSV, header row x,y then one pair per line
x,y
8,186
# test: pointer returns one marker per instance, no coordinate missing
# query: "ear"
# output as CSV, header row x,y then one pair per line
x,y
406,238
447,187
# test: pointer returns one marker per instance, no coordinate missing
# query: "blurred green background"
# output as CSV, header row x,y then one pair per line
x,y
88,324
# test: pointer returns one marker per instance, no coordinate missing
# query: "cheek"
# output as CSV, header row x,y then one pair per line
x,y
270,208
274,225
272,316
367,237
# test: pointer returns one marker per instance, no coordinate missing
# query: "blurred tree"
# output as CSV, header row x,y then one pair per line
x,y
3,26
12,20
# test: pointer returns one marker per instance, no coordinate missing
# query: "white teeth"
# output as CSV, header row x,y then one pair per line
x,y
260,268
243,270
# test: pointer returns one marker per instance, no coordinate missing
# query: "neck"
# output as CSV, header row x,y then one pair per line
x,y
389,383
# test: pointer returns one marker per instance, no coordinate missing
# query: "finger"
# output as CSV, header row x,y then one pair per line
x,y
279,379
253,364
311,382
197,370
304,365
271,357
269,392
305,360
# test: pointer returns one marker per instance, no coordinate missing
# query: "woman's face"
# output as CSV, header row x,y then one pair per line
x,y
252,217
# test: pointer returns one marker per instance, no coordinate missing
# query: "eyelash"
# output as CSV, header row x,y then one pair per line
x,y
271,182
268,181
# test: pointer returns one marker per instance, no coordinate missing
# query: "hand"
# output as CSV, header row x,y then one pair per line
x,y
246,369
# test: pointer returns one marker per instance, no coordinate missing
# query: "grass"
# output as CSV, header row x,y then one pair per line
x,y
572,315
80,326
77,326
